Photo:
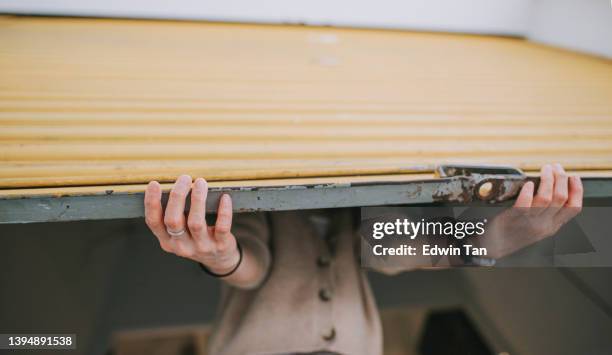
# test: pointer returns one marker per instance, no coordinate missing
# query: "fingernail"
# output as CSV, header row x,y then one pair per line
x,y
184,179
226,197
547,168
197,184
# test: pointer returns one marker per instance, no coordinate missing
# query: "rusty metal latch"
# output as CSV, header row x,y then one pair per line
x,y
479,183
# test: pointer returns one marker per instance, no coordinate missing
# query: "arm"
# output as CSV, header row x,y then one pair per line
x,y
215,247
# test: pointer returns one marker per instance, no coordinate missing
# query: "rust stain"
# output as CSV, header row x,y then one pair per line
x,y
460,191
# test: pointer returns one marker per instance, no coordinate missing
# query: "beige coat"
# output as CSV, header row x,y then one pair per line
x,y
312,298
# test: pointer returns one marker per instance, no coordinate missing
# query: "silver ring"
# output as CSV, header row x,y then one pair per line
x,y
175,234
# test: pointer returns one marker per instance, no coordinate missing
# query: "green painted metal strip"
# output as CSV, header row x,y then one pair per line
x,y
112,206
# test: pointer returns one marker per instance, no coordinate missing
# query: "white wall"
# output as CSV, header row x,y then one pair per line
x,y
480,16
584,25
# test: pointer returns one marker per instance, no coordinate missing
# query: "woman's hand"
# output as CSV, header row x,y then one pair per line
x,y
535,217
189,237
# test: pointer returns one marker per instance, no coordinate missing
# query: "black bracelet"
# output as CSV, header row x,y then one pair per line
x,y
229,272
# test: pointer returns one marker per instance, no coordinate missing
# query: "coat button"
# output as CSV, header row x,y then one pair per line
x,y
325,294
323,261
330,335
